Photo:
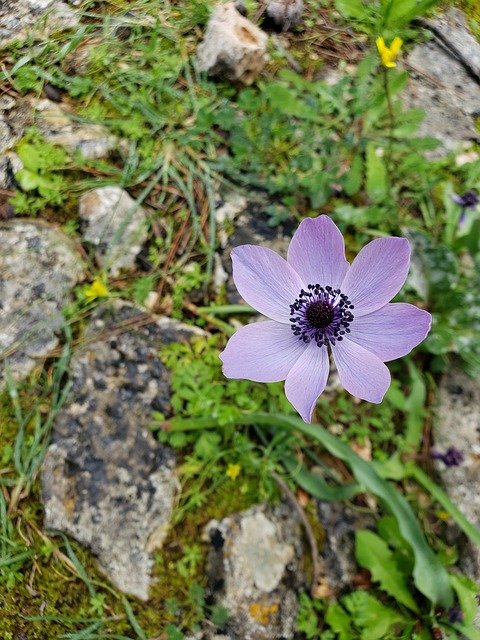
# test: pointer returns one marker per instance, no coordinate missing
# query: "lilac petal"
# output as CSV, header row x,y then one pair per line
x,y
262,352
307,380
266,281
377,274
317,252
392,331
361,372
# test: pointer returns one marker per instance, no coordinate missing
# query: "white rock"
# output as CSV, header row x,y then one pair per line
x,y
115,225
232,47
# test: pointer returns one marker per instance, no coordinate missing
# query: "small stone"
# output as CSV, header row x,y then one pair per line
x,y
254,571
105,479
56,123
114,225
39,18
39,266
285,14
457,425
233,46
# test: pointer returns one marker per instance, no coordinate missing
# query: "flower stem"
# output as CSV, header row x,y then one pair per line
x,y
391,121
441,497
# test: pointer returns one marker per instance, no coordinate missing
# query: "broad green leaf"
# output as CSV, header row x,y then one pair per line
x,y
352,9
377,180
401,12
373,554
467,591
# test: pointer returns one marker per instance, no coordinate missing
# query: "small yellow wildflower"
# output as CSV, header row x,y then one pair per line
x,y
388,55
96,290
233,471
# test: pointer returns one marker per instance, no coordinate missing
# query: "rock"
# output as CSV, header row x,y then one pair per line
x,y
285,14
254,571
57,124
38,17
10,163
458,425
233,46
451,29
39,266
340,522
250,224
114,225
441,86
15,115
105,480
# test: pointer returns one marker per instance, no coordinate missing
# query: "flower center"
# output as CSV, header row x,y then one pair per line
x,y
322,314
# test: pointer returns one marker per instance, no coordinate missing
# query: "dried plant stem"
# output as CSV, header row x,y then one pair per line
x,y
316,563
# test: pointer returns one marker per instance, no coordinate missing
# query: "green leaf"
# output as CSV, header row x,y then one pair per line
x,y
316,486
373,554
351,9
377,180
415,409
354,177
370,615
467,591
400,12
340,621
207,446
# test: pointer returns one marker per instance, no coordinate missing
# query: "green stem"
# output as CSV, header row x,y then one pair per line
x,y
391,121
441,497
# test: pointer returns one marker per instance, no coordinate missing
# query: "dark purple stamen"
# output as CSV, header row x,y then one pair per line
x,y
468,200
451,458
322,314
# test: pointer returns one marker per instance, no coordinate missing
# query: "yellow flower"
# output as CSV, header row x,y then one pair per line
x,y
96,290
233,471
388,55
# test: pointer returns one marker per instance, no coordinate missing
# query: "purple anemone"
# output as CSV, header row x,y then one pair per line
x,y
318,303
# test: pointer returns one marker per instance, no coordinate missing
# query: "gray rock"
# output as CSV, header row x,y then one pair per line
x,y
59,126
452,30
441,86
39,266
105,480
114,225
458,425
15,115
233,46
38,17
255,571
10,163
284,13
340,522
250,226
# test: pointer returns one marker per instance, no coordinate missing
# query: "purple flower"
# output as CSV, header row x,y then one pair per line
x,y
451,458
318,303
